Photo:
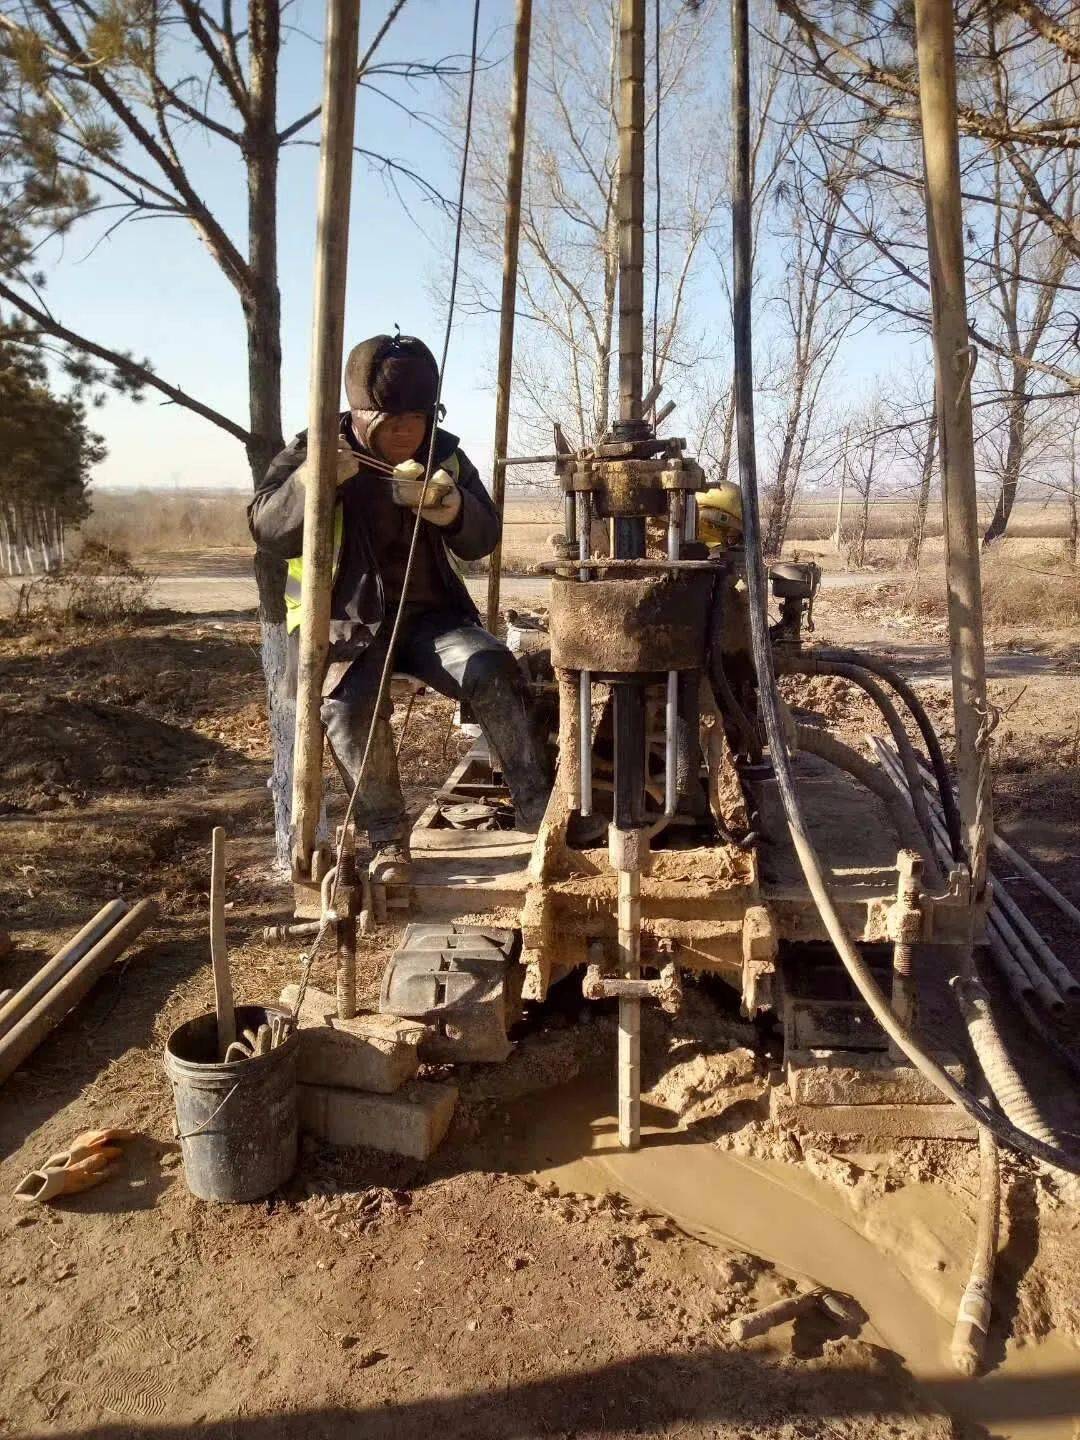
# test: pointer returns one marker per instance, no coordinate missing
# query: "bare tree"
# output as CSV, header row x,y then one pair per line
x,y
134,102
866,55
1074,497
870,446
1026,304
569,261
817,312
911,417
1019,108
922,501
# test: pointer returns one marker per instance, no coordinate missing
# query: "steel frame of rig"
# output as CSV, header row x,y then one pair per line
x,y
653,667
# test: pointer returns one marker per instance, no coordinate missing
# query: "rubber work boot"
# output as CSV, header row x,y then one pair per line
x,y
391,863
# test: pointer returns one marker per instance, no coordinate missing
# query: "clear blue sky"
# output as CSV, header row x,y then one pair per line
x,y
150,288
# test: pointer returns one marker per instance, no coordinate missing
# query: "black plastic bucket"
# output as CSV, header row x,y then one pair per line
x,y
236,1123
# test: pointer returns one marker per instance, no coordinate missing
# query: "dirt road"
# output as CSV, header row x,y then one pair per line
x,y
530,1281
219,583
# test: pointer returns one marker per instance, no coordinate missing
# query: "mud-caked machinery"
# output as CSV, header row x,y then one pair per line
x,y
696,822
666,846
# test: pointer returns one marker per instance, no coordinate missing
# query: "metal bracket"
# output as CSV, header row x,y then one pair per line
x,y
666,987
682,474
905,922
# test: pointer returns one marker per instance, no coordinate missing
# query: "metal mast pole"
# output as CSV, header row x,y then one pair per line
x,y
515,162
954,360
327,342
628,542
631,198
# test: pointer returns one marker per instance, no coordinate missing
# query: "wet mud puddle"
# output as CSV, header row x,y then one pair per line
x,y
903,1259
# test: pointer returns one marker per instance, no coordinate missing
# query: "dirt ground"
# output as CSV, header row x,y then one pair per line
x,y
526,1282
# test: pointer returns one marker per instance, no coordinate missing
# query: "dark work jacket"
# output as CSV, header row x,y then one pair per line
x,y
358,603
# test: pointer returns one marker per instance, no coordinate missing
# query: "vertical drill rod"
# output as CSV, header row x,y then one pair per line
x,y
327,342
512,230
954,359
629,919
631,203
345,933
584,519
628,543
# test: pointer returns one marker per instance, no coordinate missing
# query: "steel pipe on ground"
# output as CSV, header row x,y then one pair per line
x,y
999,927
1015,976
25,1036
1052,893
19,1002
1018,966
1063,978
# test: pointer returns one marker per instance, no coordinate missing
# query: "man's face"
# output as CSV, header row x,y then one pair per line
x,y
397,438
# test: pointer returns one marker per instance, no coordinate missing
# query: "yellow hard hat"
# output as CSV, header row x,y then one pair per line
x,y
719,514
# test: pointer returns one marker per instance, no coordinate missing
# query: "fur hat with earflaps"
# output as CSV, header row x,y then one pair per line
x,y
392,375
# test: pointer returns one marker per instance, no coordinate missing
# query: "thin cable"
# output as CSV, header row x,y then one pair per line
x,y
388,663
656,187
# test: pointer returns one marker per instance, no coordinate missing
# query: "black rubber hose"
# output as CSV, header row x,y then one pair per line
x,y
769,698
730,707
892,677
858,675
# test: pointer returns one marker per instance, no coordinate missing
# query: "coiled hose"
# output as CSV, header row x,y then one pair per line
x,y
876,666
1005,1082
858,675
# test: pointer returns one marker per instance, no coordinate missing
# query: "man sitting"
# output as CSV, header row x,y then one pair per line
x,y
392,383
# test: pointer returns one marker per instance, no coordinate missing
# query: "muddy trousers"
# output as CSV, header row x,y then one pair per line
x,y
461,660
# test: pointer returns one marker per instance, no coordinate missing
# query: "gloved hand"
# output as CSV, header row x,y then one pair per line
x,y
348,462
85,1163
442,500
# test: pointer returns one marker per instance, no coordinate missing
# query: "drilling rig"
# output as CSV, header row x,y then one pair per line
x,y
693,825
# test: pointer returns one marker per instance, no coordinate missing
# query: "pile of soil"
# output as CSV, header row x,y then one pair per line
x,y
56,751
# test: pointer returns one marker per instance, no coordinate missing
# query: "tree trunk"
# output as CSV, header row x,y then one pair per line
x,y
778,501
864,517
262,314
26,537
918,529
11,541
1074,507
1014,458
724,468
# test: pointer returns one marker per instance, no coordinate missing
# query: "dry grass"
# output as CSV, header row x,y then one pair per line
x,y
1039,587
893,520
100,587
142,522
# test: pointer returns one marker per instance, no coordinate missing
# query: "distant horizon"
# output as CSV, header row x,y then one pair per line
x,y
517,492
